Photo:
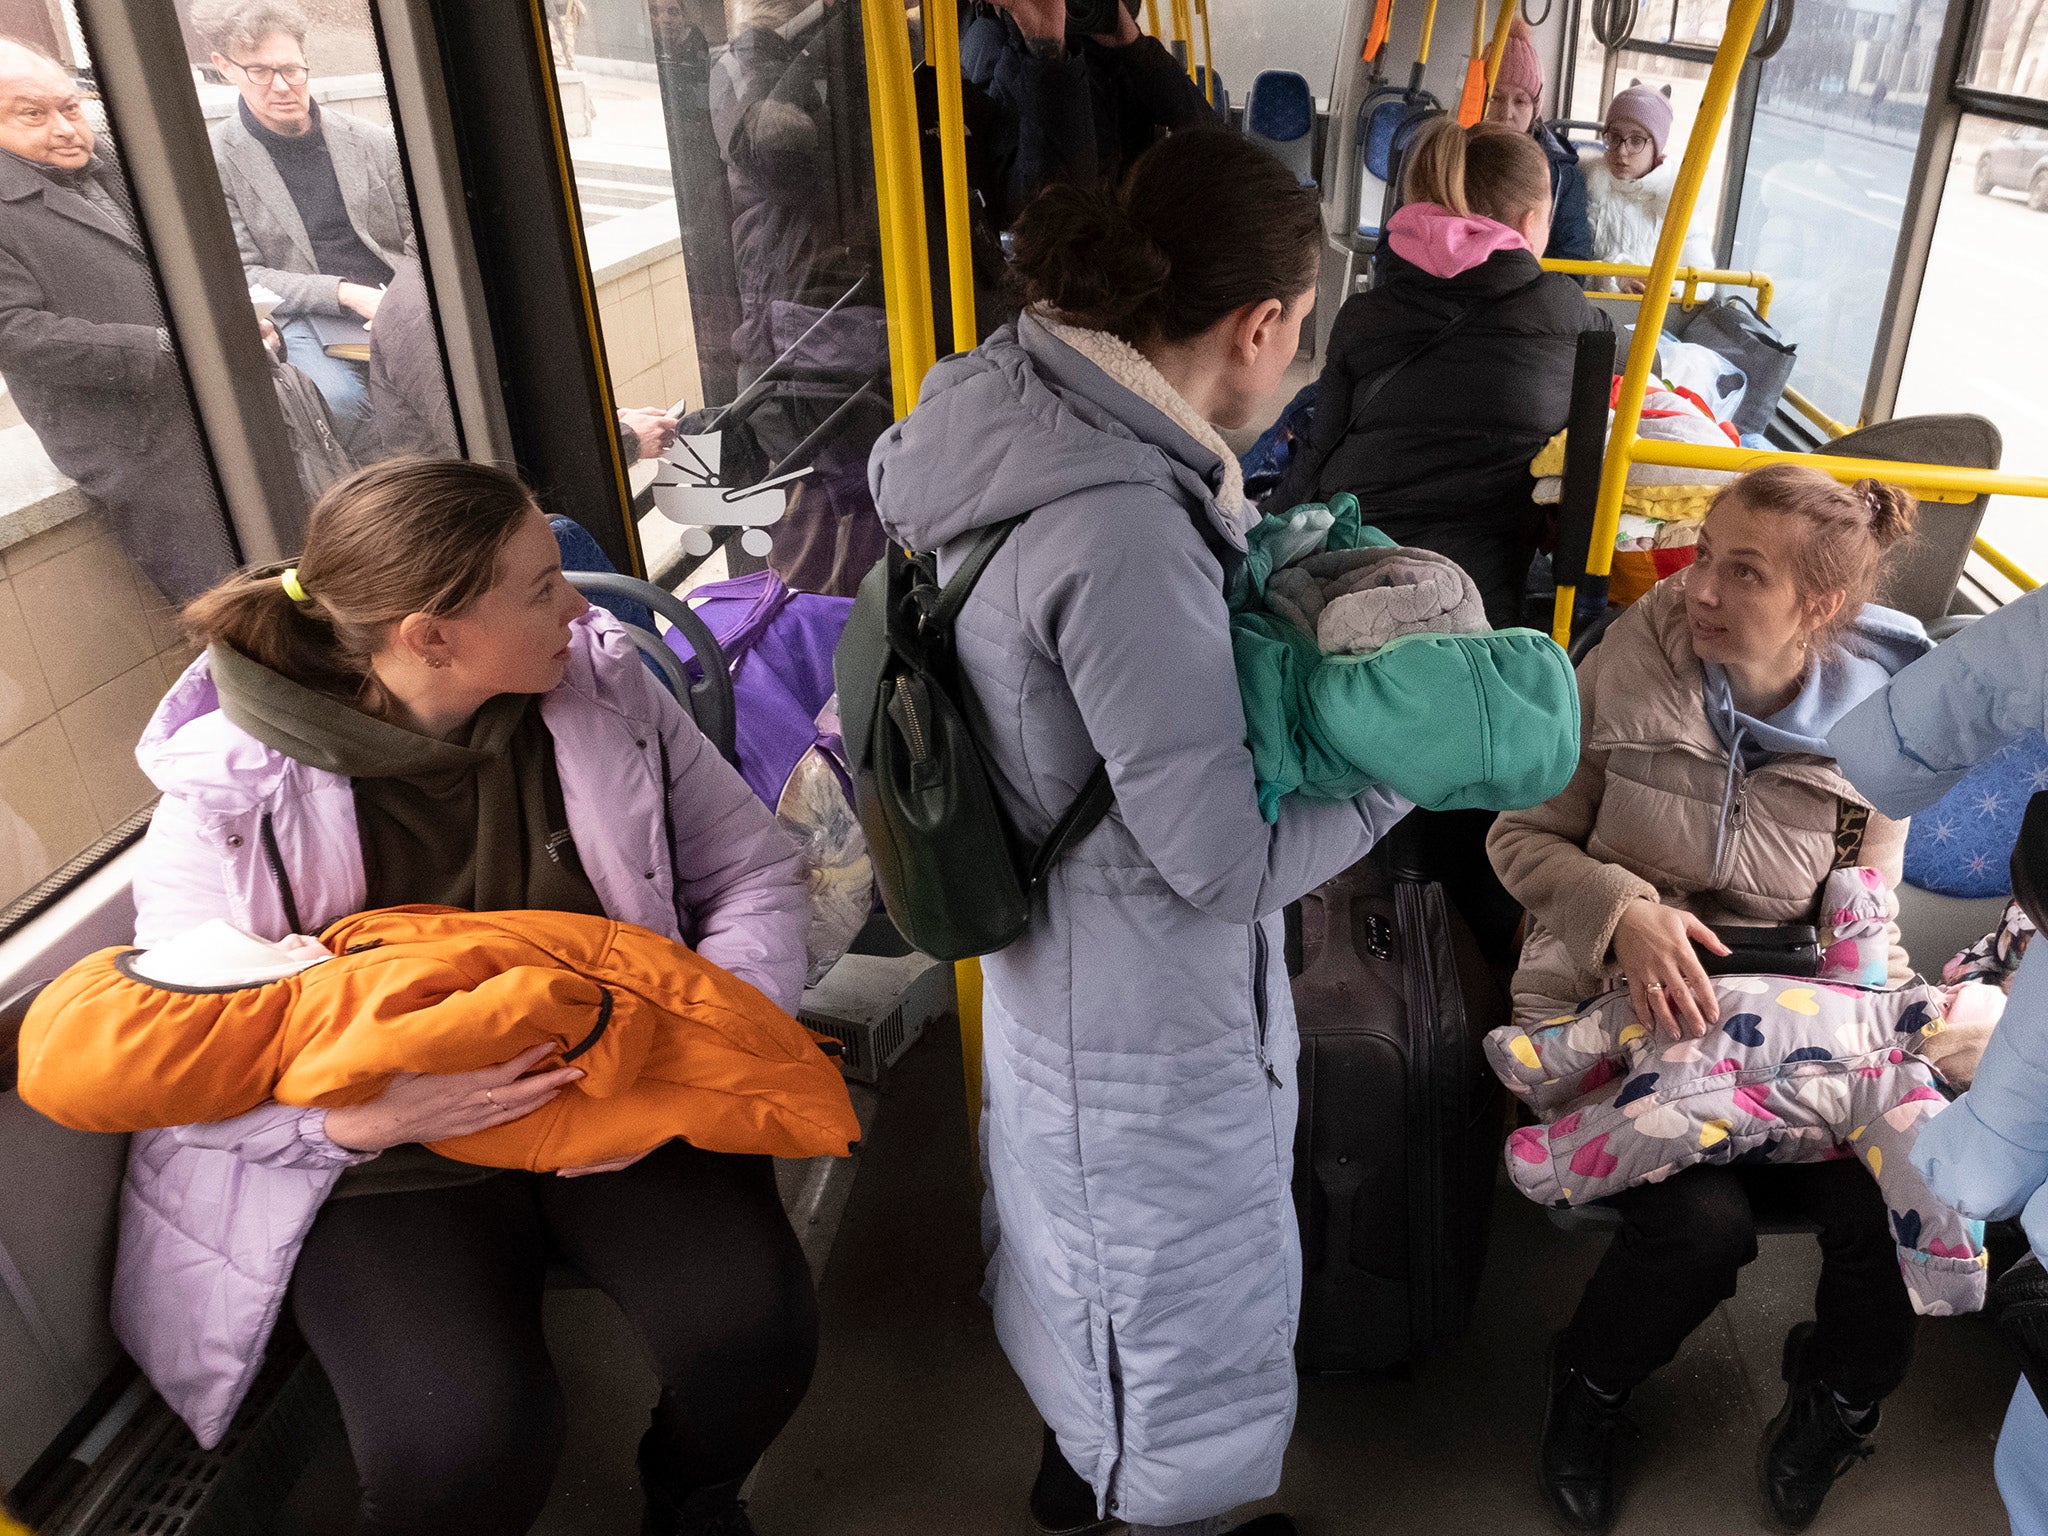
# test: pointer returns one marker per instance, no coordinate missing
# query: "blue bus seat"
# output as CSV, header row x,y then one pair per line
x,y
1280,117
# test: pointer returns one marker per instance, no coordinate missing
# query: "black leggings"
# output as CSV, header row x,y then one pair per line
x,y
1682,1243
425,1310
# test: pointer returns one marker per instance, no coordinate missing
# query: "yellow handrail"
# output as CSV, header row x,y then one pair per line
x,y
2002,563
1208,58
899,196
1152,17
1929,482
1501,27
942,52
1184,33
1729,60
1428,32
1689,277
1815,414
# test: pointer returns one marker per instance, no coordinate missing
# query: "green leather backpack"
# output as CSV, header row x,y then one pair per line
x,y
956,878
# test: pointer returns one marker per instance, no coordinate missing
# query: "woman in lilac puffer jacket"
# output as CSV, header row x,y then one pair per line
x,y
422,710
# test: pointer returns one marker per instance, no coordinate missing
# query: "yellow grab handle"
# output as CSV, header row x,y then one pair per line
x,y
1428,31
1502,26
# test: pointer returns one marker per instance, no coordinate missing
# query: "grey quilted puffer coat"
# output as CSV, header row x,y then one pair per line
x,y
1139,1042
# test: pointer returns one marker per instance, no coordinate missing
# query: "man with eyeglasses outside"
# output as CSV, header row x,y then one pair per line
x,y
318,199
83,347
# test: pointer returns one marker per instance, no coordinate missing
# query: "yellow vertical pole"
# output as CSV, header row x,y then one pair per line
x,y
906,277
942,53
1428,31
899,199
1208,58
1152,17
1692,174
1502,25
1184,32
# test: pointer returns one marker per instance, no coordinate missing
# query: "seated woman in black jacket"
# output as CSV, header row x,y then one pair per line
x,y
1447,378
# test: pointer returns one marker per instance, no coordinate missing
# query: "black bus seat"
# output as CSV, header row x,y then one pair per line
x,y
1924,574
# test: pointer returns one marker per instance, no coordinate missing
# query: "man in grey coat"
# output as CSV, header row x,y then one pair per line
x,y
82,343
317,198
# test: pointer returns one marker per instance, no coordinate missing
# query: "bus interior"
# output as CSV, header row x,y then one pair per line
x,y
1871,175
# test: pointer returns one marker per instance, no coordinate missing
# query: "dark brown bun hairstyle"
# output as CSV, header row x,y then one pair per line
x,y
1205,223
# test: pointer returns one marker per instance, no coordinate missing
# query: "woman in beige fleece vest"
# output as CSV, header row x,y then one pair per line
x,y
1706,794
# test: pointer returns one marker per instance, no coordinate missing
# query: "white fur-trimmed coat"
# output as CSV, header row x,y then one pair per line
x,y
1628,216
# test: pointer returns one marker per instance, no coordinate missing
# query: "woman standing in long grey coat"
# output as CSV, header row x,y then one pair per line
x,y
1139,1046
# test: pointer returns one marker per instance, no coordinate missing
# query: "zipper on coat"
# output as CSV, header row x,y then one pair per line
x,y
267,835
1731,830
1260,952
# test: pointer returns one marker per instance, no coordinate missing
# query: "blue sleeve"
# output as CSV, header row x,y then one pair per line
x,y
1571,229
1987,1154
1908,745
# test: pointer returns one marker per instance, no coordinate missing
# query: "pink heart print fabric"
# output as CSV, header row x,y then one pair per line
x,y
1796,1071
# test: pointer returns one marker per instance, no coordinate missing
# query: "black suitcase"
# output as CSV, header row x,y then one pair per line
x,y
1398,1145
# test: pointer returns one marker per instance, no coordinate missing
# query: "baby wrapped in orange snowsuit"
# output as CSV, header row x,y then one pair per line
x,y
669,1044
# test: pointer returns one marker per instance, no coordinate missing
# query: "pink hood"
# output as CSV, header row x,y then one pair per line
x,y
1444,243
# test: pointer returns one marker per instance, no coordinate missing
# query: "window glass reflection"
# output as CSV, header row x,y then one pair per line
x,y
300,123
725,174
1830,166
108,508
1982,312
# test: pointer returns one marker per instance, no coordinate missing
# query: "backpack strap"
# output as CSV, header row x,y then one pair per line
x,y
1097,798
1455,324
953,596
1082,817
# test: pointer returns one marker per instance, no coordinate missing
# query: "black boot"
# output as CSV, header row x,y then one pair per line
x,y
1576,1461
1812,1442
1062,1503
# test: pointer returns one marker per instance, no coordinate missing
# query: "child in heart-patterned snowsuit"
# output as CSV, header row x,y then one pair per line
x,y
1799,1071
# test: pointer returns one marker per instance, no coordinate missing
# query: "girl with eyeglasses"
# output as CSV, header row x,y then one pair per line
x,y
1628,189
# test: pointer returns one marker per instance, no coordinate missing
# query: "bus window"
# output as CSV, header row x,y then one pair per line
x,y
1684,79
1830,165
299,114
1279,34
108,505
1982,310
2012,51
725,174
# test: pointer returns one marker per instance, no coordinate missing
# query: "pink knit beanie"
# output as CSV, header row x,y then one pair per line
x,y
1640,107
1520,68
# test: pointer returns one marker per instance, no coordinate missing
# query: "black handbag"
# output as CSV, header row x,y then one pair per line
x,y
1785,949
956,880
1733,328
1779,949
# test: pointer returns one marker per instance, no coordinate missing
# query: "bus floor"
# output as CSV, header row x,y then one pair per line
x,y
915,1424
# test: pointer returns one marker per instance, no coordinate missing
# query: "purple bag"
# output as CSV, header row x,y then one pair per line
x,y
779,645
